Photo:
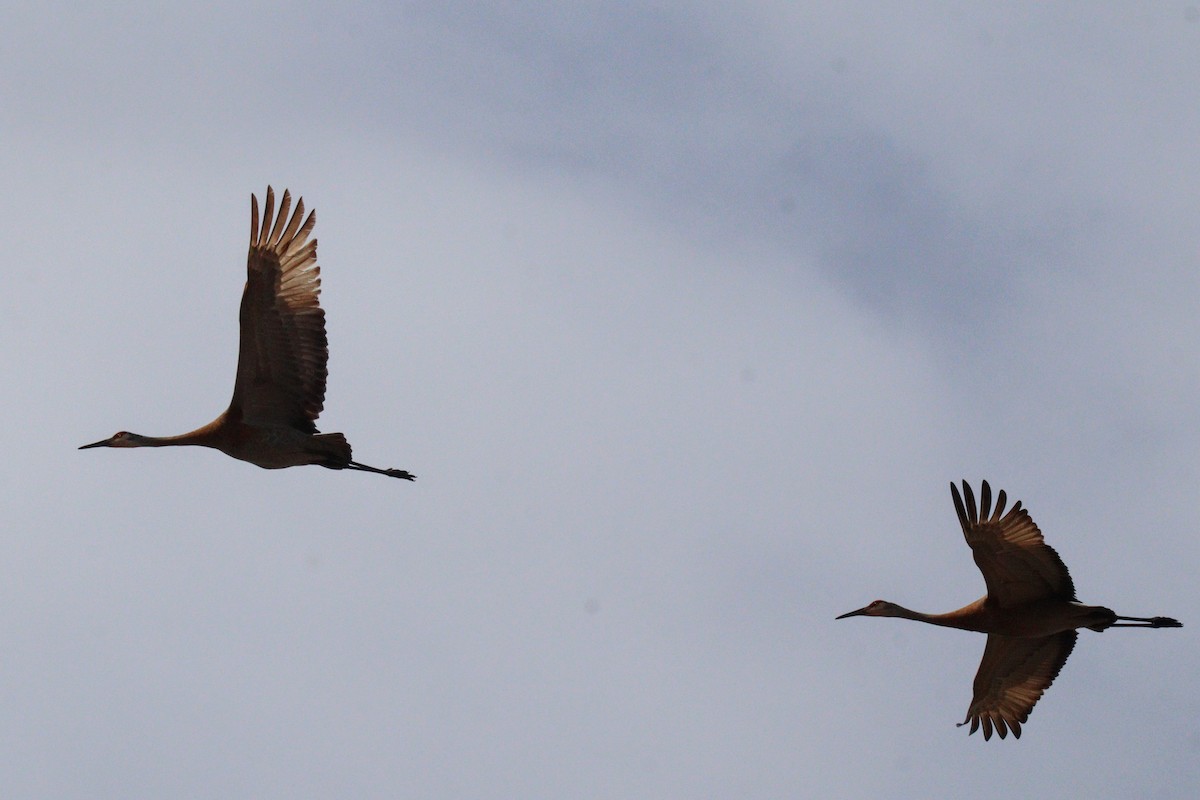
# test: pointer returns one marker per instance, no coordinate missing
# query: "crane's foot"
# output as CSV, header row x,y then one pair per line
x,y
400,473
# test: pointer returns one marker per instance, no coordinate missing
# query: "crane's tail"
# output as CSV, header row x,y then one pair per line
x,y
334,448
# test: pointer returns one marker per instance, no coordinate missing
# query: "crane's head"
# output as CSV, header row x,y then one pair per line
x,y
118,439
879,608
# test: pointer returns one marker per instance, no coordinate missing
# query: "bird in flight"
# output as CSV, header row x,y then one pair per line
x,y
279,390
1029,613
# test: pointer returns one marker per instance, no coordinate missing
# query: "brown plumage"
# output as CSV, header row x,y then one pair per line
x,y
279,390
1030,612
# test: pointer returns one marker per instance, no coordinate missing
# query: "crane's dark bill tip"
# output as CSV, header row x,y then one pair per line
x,y
101,443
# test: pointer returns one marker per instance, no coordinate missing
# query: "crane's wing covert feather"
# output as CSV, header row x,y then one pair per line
x,y
283,353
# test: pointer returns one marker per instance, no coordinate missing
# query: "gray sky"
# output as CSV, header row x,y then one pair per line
x,y
685,319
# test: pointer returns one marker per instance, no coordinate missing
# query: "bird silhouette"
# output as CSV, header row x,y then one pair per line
x,y
1030,612
279,390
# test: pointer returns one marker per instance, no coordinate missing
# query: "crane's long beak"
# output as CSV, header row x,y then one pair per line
x,y
857,613
101,443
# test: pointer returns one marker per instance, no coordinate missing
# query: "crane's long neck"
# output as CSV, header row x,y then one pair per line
x,y
966,618
207,436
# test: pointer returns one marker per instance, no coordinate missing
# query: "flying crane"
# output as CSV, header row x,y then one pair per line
x,y
1029,613
279,390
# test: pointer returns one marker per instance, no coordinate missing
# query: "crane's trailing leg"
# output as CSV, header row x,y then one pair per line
x,y
336,454
392,473
1145,622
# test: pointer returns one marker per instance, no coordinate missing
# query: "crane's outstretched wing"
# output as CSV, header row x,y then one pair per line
x,y
283,354
1012,677
1017,564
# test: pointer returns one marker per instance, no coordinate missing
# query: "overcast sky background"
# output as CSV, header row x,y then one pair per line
x,y
685,317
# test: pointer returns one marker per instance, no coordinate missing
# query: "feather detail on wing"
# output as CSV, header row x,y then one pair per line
x,y
284,352
1017,564
1012,677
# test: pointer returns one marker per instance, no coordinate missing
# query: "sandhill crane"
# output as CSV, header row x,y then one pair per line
x,y
279,390
1029,612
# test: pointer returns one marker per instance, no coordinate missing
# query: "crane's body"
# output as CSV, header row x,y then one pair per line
x,y
265,445
279,390
1030,612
